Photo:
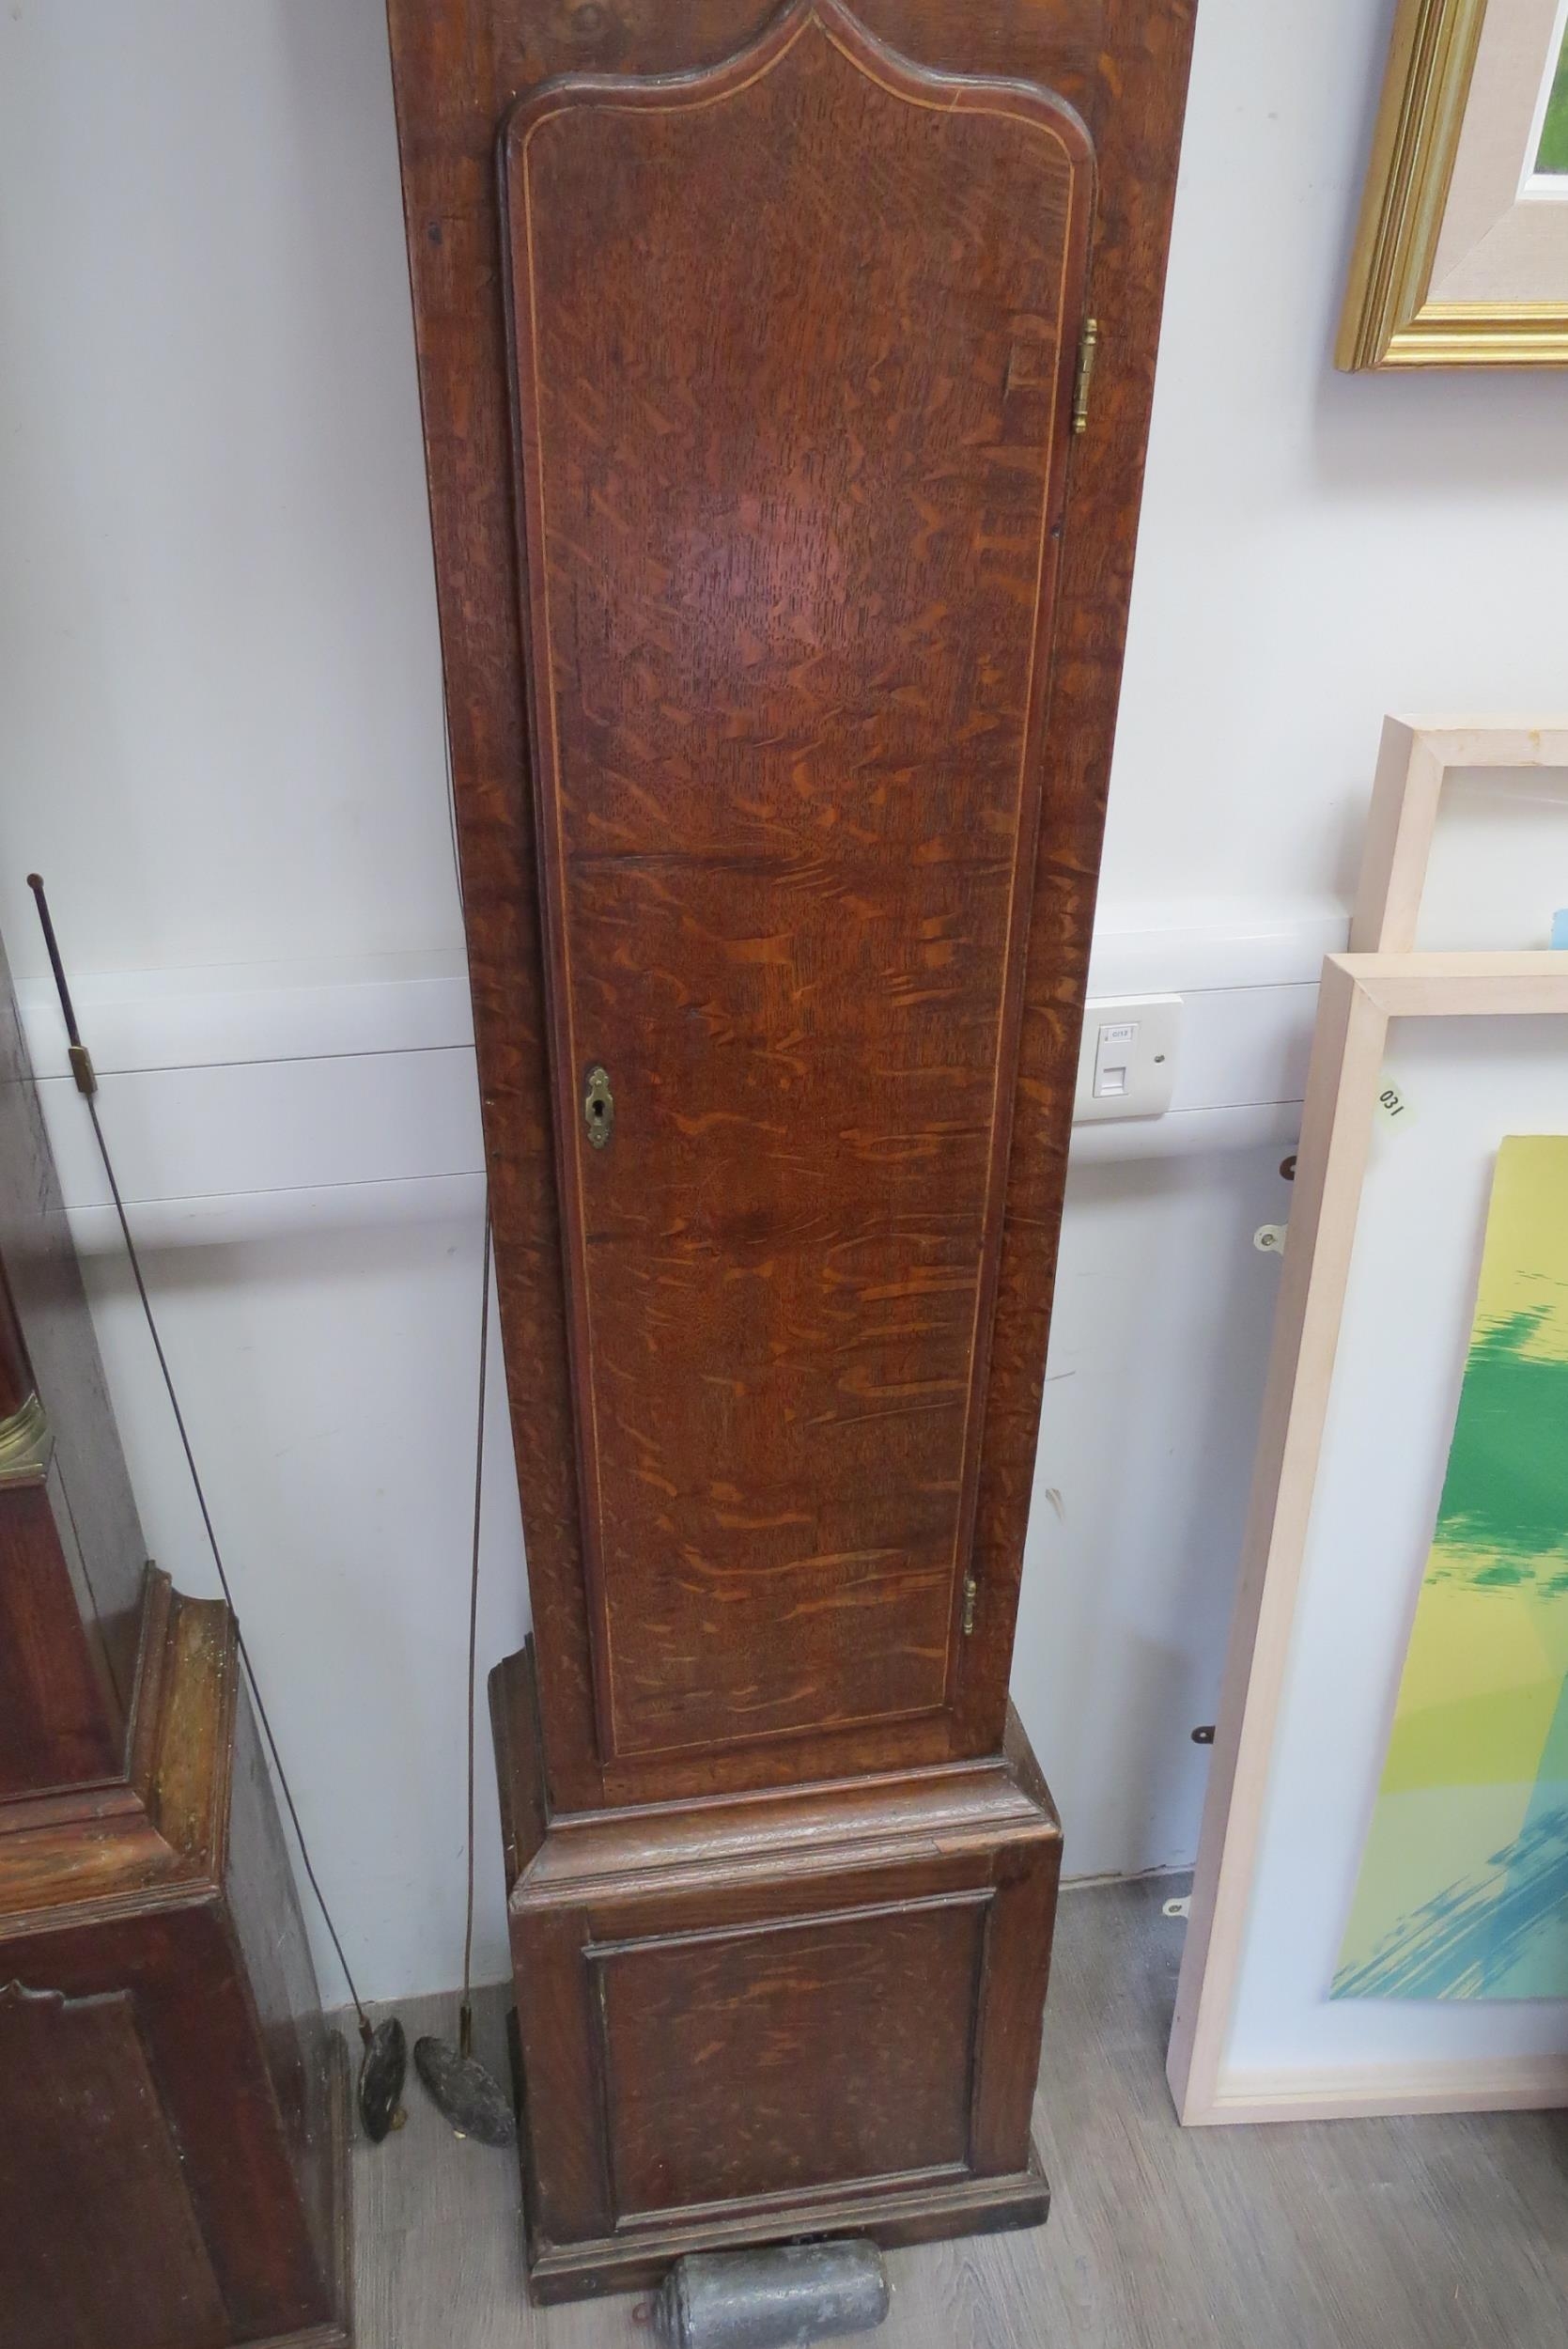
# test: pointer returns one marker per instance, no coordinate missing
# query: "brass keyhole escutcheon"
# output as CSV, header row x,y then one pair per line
x,y
599,1107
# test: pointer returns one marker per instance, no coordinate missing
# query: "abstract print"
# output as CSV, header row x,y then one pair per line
x,y
1463,1891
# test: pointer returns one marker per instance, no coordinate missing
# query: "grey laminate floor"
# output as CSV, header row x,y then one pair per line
x,y
1350,2234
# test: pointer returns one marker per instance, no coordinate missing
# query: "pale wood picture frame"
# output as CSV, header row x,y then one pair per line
x,y
1415,761
1361,994
1444,191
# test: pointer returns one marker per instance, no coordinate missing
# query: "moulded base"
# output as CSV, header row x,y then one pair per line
x,y
891,2213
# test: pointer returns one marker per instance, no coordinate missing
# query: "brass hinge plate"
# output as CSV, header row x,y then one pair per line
x,y
25,1445
971,1599
1088,351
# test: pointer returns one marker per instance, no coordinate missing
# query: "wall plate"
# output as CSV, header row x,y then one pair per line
x,y
1128,1063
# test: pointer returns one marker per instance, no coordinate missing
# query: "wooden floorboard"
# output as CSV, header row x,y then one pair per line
x,y
1447,2233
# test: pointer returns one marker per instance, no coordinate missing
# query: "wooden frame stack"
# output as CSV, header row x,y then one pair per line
x,y
1362,993
1417,758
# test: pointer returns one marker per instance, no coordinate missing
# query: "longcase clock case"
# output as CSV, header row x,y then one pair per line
x,y
173,2119
782,609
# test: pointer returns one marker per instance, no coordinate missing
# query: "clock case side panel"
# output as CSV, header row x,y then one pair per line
x,y
457,72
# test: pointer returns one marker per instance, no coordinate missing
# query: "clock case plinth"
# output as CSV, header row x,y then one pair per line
x,y
758,2016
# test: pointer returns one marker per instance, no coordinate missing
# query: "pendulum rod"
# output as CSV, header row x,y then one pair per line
x,y
462,2090
465,2015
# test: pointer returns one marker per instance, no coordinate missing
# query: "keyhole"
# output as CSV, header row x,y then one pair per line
x,y
599,1107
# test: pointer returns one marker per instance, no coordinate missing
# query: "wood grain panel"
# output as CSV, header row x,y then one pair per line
x,y
764,2060
458,70
794,349
100,2239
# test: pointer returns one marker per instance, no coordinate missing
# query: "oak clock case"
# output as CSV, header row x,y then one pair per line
x,y
173,2106
782,610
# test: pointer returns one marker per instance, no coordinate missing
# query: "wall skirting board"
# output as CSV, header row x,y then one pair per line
x,y
247,1101
300,1149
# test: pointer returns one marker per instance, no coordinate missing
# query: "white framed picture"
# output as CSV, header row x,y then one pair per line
x,y
1425,1067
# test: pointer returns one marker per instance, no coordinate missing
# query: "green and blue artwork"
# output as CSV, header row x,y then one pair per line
x,y
1552,154
1463,1891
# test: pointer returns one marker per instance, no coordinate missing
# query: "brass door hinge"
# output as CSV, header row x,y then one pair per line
x,y
971,1596
1088,351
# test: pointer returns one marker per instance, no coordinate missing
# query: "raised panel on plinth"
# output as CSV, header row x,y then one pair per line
x,y
793,2006
795,345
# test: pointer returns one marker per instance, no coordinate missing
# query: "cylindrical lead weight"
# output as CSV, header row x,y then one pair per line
x,y
783,2299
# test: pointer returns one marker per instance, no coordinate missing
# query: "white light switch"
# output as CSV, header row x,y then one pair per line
x,y
1127,1066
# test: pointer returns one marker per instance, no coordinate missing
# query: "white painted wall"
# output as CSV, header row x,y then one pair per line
x,y
1316,548
221,740
218,658
1160,1329
328,1376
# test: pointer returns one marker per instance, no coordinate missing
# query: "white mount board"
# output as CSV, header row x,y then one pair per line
x,y
1401,1359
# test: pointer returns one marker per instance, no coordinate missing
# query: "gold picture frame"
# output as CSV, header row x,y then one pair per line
x,y
1417,295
